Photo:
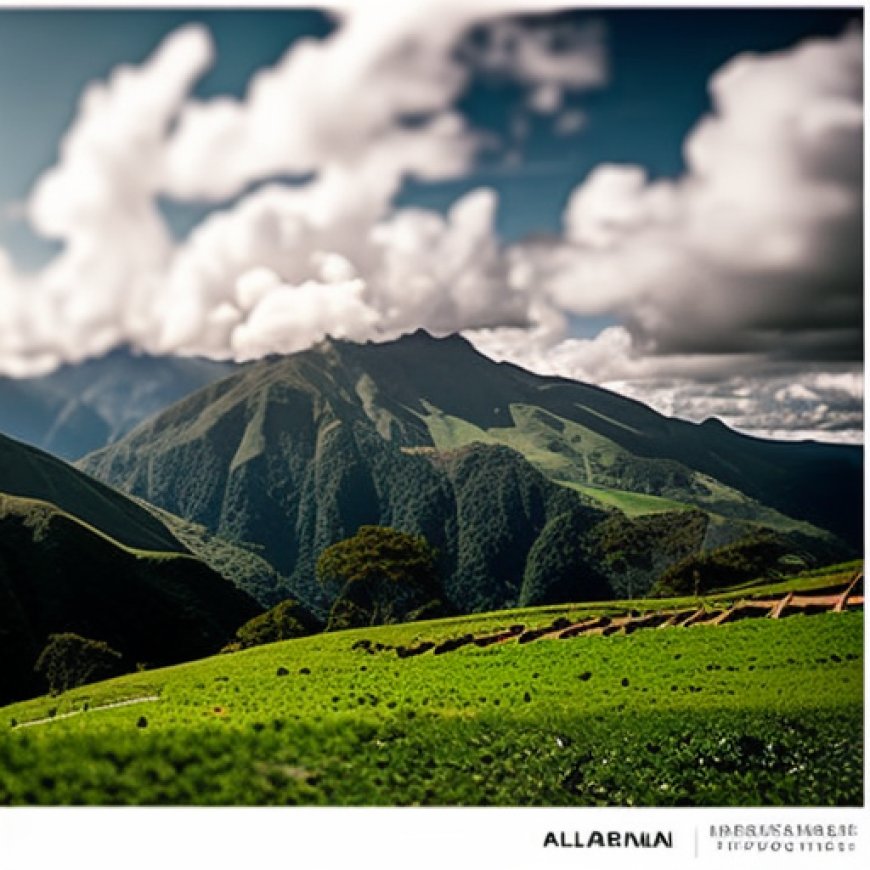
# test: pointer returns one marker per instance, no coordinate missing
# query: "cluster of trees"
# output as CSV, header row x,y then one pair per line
x,y
633,553
69,660
284,621
760,554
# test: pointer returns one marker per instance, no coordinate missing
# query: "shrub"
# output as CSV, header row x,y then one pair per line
x,y
284,621
69,660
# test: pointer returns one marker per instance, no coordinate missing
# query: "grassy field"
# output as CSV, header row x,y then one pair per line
x,y
632,504
758,712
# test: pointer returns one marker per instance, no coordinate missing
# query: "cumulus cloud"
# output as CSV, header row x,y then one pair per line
x,y
413,267
748,262
751,262
359,112
288,317
450,270
757,248
99,201
328,102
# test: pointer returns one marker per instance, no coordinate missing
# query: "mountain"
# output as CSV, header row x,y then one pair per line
x,y
497,467
80,408
76,556
29,473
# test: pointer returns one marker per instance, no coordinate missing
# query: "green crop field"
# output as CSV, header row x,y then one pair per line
x,y
758,712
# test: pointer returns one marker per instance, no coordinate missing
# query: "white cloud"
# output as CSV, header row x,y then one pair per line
x,y
756,249
290,318
336,109
99,201
415,267
611,356
445,272
751,258
328,102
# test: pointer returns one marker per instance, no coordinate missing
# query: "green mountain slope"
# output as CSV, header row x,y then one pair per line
x,y
243,568
76,556
588,435
32,474
295,453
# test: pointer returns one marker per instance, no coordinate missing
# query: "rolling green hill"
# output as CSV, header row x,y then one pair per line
x,y
706,715
485,460
32,474
76,556
241,566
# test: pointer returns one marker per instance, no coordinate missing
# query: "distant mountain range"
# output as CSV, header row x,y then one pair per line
x,y
80,408
497,467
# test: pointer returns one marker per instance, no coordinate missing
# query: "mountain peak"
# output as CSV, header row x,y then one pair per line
x,y
423,338
423,335
419,337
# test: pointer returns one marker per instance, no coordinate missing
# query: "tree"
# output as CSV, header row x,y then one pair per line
x,y
760,553
381,575
284,621
69,660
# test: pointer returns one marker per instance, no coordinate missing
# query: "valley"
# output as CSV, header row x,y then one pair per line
x,y
403,574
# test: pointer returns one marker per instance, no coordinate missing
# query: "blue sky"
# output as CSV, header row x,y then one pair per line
x,y
660,62
666,201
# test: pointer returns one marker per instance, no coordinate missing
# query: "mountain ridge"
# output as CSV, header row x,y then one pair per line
x,y
294,453
84,406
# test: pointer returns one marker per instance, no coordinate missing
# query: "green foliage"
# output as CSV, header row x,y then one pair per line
x,y
283,622
559,567
501,506
377,553
69,660
634,552
761,554
382,575
763,712
59,575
